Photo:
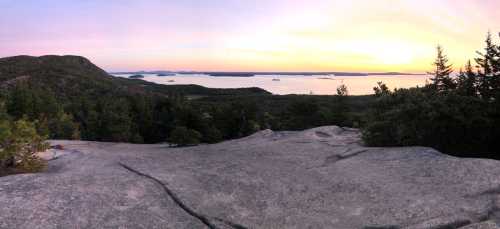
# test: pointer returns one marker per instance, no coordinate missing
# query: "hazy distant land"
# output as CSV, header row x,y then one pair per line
x,y
251,74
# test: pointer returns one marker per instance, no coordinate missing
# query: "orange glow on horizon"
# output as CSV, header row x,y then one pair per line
x,y
271,35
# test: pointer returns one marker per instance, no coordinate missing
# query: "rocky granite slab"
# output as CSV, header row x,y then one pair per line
x,y
318,178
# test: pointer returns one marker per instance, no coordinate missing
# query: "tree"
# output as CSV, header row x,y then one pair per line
x,y
442,80
19,143
451,123
20,102
381,89
6,151
342,90
115,120
341,107
466,81
63,127
182,136
85,114
489,69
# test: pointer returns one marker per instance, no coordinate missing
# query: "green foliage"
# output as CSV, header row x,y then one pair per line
x,y
458,117
449,122
442,80
489,70
342,90
466,81
19,143
381,89
64,127
6,151
182,136
115,120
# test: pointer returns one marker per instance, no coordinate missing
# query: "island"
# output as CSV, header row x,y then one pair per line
x,y
138,76
165,74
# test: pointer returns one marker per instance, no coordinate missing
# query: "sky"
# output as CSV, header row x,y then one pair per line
x,y
258,35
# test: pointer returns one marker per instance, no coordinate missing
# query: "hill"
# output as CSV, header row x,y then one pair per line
x,y
76,76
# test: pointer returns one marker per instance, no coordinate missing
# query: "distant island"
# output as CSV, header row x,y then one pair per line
x,y
252,74
137,76
395,74
157,72
165,74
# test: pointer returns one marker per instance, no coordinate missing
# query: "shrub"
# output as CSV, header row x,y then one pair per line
x,y
454,124
182,136
19,143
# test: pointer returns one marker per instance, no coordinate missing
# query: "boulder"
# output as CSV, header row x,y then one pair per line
x,y
318,178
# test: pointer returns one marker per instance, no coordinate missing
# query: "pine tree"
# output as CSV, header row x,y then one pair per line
x,y
20,102
466,82
495,66
442,80
115,120
381,89
489,69
342,90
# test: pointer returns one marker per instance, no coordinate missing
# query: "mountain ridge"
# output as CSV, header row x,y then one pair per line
x,y
72,75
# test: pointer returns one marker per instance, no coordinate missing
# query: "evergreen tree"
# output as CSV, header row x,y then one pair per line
x,y
20,102
381,89
442,80
342,90
489,69
466,81
85,113
64,127
19,143
25,143
183,136
142,118
115,120
341,108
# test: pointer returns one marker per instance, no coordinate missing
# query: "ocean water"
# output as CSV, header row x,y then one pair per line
x,y
287,84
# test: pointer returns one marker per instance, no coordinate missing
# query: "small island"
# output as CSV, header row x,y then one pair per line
x,y
136,76
165,74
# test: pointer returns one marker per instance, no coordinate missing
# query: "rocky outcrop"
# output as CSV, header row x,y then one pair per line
x,y
319,178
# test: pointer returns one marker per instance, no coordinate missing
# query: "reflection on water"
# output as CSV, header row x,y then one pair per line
x,y
318,85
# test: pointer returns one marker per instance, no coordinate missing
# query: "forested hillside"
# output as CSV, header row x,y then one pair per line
x,y
68,97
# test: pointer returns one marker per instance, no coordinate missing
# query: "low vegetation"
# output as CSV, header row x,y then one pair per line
x,y
457,115
19,143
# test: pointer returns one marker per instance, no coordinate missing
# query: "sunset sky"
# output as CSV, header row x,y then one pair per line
x,y
259,35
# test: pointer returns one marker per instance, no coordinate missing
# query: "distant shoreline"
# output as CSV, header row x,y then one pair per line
x,y
252,74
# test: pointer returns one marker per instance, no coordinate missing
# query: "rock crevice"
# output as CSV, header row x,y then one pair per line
x,y
204,219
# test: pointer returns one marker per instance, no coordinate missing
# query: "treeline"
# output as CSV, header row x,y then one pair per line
x,y
153,119
459,115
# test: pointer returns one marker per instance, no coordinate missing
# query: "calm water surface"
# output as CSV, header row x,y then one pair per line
x,y
357,85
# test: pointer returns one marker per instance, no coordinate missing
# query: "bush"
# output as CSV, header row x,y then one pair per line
x,y
63,127
454,124
19,143
182,136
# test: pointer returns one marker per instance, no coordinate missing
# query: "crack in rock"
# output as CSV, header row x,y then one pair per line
x,y
491,191
204,219
493,213
343,156
231,224
382,227
338,157
322,134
